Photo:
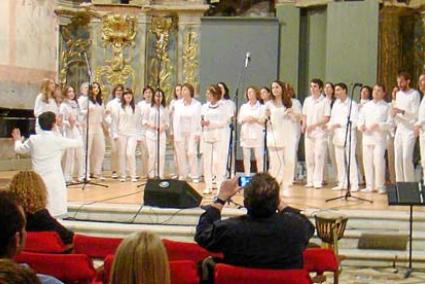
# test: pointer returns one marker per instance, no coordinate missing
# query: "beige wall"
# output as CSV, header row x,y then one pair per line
x,y
28,44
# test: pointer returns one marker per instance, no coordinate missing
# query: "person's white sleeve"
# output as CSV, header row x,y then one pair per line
x,y
38,109
23,147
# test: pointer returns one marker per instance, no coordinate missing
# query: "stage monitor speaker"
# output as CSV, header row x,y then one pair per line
x,y
169,193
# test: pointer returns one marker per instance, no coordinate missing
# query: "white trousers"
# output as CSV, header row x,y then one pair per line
x,y
315,149
422,148
340,156
144,154
276,156
152,148
74,163
374,166
290,159
115,159
127,155
330,157
96,152
258,152
214,165
359,154
404,143
186,151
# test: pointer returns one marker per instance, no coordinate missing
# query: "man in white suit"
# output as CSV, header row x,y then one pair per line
x,y
46,150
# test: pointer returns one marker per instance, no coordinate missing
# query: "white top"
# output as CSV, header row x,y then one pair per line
x,y
314,111
218,120
252,133
127,122
409,102
153,118
276,132
113,107
70,108
293,123
46,151
82,102
339,116
40,106
230,107
421,116
375,112
186,119
96,117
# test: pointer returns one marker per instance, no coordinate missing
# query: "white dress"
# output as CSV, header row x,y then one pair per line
x,y
46,151
40,106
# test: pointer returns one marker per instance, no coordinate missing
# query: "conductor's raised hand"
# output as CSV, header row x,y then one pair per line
x,y
16,134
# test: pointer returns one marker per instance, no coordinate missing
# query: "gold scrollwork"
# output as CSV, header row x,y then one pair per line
x,y
119,32
190,58
160,66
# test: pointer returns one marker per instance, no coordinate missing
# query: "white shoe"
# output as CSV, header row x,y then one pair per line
x,y
195,180
182,178
337,188
317,186
382,191
354,189
114,175
308,185
134,179
366,189
122,179
207,191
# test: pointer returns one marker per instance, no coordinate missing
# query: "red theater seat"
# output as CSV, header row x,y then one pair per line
x,y
69,268
95,247
44,242
187,251
321,260
228,274
181,271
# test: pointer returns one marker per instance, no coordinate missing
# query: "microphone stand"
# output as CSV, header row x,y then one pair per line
x,y
241,79
86,180
158,141
348,141
266,149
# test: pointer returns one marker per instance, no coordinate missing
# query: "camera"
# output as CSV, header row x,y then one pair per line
x,y
244,180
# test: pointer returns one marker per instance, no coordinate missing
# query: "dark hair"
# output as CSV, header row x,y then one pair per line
x,y
380,86
174,91
148,87
261,196
117,86
226,95
12,221
257,93
65,93
123,103
98,98
286,99
162,97
215,91
190,88
342,86
405,75
318,82
46,120
368,88
14,273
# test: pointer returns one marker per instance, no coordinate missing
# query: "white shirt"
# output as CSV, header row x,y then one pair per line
x,y
294,123
409,102
230,107
127,122
252,133
375,112
67,109
46,151
421,116
276,132
314,111
186,119
218,120
113,107
40,106
96,117
339,116
151,117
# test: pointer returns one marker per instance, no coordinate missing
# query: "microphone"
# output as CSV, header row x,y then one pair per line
x,y
247,59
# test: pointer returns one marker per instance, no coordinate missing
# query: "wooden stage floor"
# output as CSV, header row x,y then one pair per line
x,y
297,196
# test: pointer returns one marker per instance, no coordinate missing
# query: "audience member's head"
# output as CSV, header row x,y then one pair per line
x,y
12,225
47,120
261,195
13,273
30,190
141,258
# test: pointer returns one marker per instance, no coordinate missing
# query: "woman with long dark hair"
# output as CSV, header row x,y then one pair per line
x,y
127,131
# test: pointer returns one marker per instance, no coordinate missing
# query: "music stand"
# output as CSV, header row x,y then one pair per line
x,y
407,194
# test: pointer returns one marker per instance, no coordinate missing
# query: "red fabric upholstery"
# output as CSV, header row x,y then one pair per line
x,y
44,242
74,268
320,260
181,271
95,247
228,274
186,251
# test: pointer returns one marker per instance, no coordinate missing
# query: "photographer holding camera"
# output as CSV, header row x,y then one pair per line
x,y
270,235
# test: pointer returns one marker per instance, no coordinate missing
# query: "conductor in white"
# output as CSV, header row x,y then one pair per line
x,y
46,151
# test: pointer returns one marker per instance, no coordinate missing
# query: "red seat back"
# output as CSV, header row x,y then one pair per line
x,y
70,268
44,242
186,251
320,260
181,271
95,247
228,274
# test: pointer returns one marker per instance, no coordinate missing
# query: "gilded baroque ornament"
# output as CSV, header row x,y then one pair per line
x,y
118,32
160,66
190,58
